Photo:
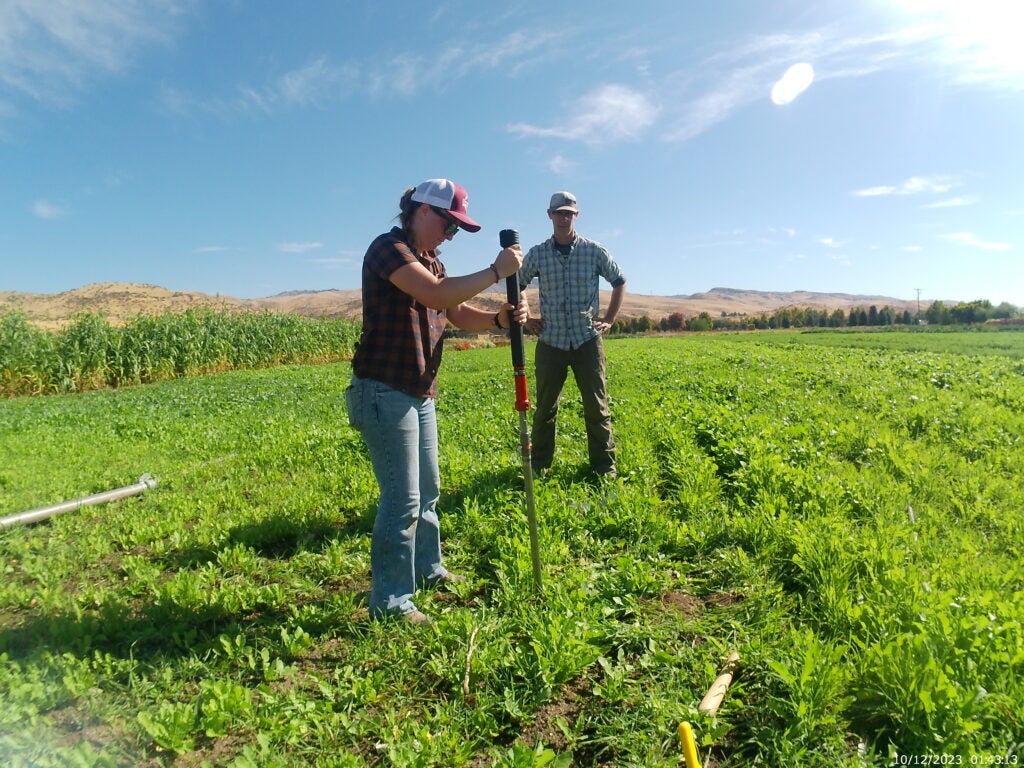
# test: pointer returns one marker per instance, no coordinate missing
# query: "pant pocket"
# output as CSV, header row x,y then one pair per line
x,y
354,405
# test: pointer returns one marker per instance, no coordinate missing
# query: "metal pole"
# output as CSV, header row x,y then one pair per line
x,y
35,515
509,237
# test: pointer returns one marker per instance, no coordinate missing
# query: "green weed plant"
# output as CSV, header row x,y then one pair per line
x,y
846,517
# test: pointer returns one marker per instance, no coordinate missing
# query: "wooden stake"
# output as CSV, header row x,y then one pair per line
x,y
469,658
713,698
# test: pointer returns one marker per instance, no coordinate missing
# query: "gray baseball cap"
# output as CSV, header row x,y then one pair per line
x,y
563,201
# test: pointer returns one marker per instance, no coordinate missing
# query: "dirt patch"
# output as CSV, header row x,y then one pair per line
x,y
566,708
724,599
545,727
76,727
687,606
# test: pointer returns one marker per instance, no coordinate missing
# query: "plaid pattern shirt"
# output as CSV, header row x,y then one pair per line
x,y
401,342
569,288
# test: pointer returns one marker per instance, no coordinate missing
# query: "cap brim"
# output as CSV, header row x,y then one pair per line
x,y
565,208
465,222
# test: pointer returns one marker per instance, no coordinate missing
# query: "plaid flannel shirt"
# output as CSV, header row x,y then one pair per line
x,y
401,342
569,288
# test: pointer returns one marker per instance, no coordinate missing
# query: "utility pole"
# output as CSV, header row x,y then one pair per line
x,y
918,318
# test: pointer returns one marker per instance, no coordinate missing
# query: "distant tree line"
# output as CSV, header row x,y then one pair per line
x,y
964,313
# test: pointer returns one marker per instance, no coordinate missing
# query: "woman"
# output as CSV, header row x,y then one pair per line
x,y
407,300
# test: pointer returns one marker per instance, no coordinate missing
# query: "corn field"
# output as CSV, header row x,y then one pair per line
x,y
89,353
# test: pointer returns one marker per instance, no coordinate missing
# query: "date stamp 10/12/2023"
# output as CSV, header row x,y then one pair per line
x,y
1012,756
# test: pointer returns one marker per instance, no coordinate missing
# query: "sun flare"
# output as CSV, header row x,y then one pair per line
x,y
983,36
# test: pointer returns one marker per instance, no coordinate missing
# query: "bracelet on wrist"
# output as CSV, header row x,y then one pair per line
x,y
494,269
497,321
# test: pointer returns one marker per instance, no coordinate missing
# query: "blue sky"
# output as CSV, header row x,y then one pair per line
x,y
248,148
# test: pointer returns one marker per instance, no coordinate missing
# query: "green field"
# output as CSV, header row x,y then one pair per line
x,y
844,510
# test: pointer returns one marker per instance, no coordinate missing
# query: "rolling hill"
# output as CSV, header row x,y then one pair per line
x,y
119,301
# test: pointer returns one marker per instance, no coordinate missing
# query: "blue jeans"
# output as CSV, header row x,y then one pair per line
x,y
401,434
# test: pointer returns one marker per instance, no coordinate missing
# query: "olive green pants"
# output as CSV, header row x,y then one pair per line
x,y
588,368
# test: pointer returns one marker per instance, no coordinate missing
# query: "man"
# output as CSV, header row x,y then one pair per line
x,y
570,329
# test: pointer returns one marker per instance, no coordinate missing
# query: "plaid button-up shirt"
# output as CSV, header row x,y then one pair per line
x,y
569,288
401,343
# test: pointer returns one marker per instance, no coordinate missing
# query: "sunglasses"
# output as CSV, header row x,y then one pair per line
x,y
453,225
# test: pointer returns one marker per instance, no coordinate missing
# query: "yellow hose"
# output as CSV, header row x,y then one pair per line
x,y
689,748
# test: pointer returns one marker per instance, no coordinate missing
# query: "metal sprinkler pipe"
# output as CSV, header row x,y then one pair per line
x,y
42,513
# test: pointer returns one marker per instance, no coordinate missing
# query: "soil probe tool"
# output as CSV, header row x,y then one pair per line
x,y
506,238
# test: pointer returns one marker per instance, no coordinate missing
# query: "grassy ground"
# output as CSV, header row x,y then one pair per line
x,y
847,519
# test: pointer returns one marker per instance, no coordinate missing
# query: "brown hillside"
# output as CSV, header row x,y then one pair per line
x,y
120,301
116,301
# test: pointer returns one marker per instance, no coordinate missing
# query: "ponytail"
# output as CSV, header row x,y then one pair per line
x,y
407,207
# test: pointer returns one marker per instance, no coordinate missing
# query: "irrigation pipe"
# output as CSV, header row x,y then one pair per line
x,y
42,513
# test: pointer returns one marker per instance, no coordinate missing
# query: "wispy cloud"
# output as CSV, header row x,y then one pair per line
x,y
49,50
457,59
560,164
334,261
744,238
212,249
725,243
831,242
322,81
915,185
734,78
314,83
972,240
607,114
972,49
952,202
692,115
299,247
46,210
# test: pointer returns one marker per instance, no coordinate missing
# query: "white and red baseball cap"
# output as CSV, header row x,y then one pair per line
x,y
448,196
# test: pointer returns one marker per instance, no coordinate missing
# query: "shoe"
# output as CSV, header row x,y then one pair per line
x,y
609,474
445,578
416,618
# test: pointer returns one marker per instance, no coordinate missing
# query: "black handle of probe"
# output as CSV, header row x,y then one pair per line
x,y
506,238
